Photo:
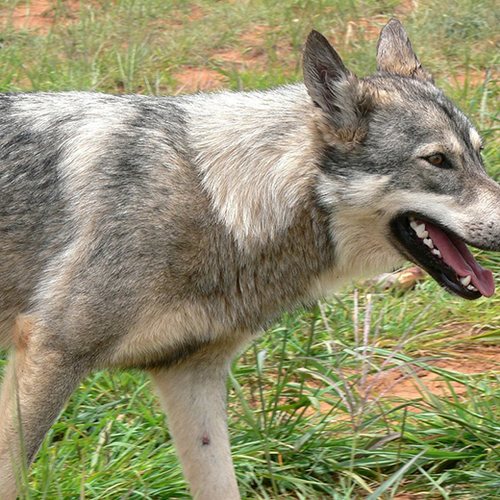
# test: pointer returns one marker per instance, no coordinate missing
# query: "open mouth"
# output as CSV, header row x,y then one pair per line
x,y
444,256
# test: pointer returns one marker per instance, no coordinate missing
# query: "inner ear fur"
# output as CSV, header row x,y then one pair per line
x,y
342,100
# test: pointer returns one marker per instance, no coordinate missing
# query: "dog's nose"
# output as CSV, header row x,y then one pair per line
x,y
484,234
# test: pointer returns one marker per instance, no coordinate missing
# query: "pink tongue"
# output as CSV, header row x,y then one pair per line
x,y
456,254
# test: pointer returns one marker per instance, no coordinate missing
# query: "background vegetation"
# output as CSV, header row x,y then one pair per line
x,y
378,393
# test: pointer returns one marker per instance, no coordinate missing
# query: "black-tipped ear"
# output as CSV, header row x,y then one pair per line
x,y
322,67
395,54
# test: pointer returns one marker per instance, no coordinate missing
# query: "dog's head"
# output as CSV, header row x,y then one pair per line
x,y
401,167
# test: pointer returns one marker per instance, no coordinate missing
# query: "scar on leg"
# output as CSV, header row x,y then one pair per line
x,y
205,440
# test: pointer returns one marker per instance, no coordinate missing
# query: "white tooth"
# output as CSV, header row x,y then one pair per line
x,y
421,232
472,288
465,281
429,243
435,251
413,224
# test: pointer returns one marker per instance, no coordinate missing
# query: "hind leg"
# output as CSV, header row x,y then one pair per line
x,y
38,381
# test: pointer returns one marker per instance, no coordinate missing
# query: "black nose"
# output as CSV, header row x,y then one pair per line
x,y
484,235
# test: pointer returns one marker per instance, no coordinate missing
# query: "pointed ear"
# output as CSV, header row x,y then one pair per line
x,y
323,69
344,104
395,54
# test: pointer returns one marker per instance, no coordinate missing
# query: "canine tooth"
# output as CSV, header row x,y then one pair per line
x,y
466,280
429,243
413,224
472,288
436,252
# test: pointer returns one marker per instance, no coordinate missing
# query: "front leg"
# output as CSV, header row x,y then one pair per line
x,y
193,394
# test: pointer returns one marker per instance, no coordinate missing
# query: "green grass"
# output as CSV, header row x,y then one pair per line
x,y
305,419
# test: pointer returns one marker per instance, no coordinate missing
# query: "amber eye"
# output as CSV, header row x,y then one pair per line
x,y
437,159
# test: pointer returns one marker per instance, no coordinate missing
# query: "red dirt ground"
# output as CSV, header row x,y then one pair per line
x,y
40,15
471,361
197,79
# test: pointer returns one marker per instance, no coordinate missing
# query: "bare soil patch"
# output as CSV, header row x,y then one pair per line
x,y
194,79
179,18
470,361
40,15
196,13
254,48
404,7
473,77
252,51
411,382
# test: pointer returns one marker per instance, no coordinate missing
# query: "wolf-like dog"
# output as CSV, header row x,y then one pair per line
x,y
165,233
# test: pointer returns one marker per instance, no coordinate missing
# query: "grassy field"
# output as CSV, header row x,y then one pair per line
x,y
377,393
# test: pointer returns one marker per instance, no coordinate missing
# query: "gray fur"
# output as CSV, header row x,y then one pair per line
x,y
163,233
395,53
